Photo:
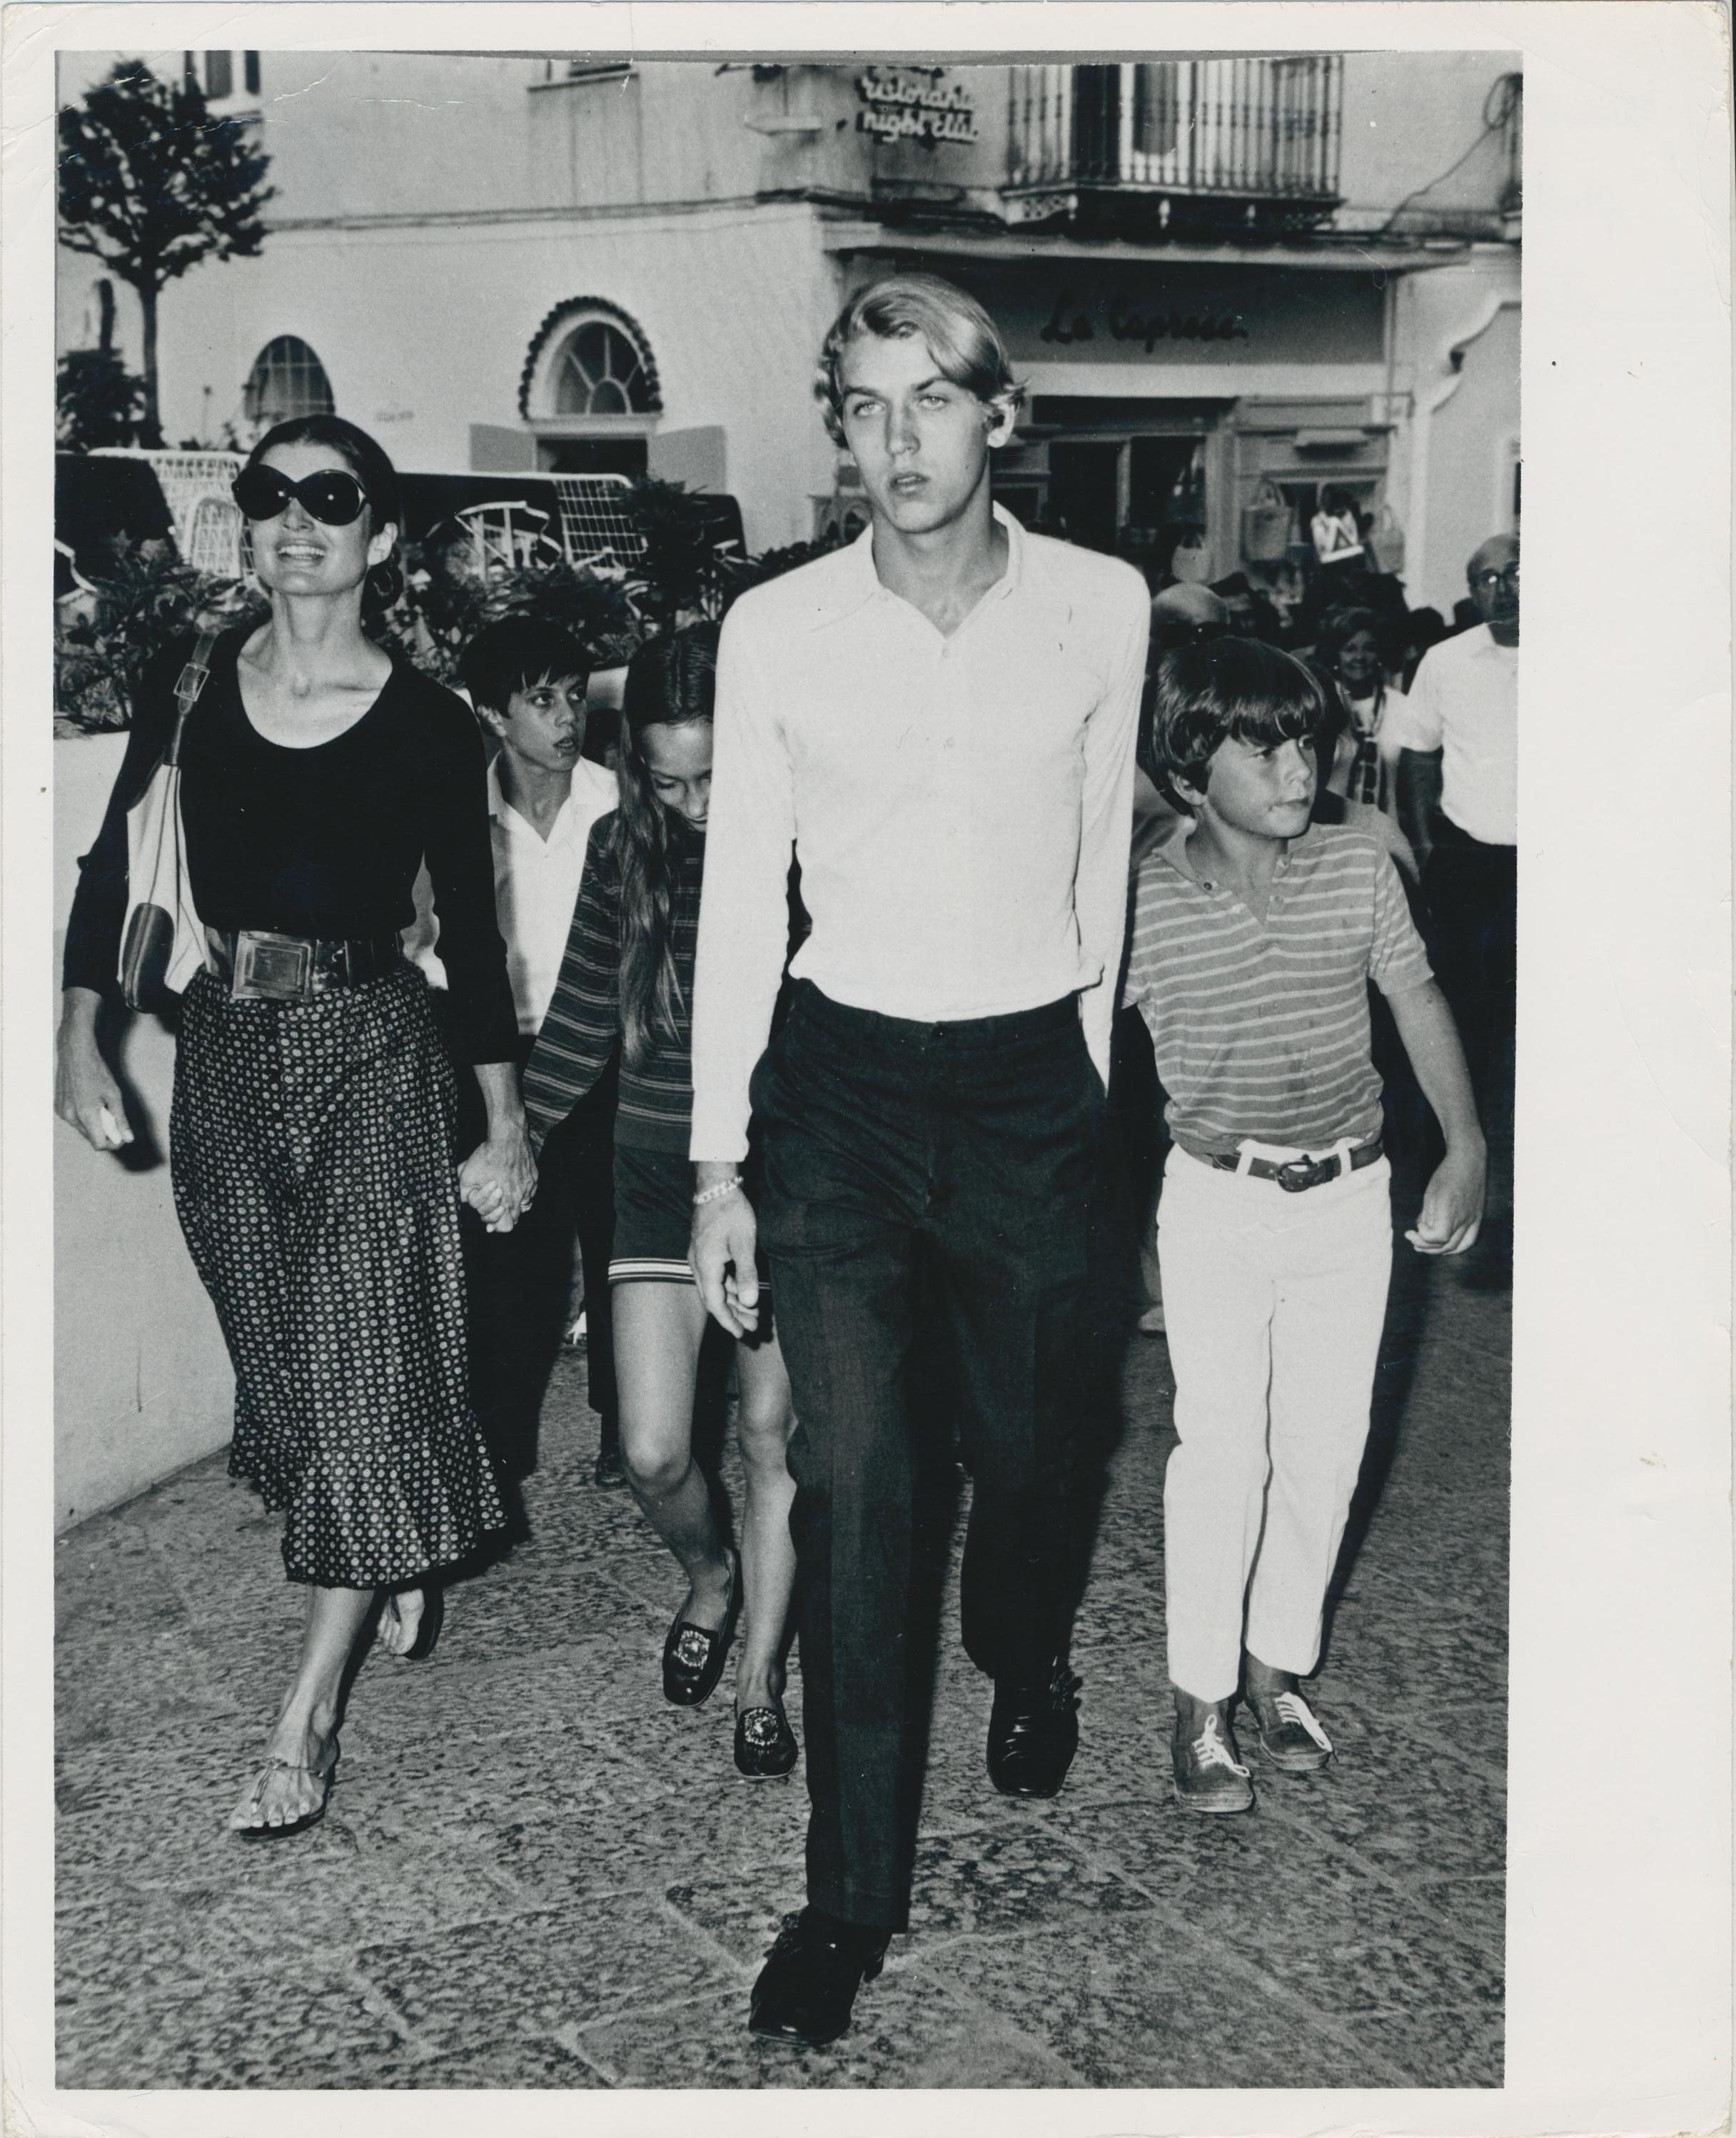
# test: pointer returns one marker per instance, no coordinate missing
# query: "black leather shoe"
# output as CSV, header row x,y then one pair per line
x,y
609,1475
811,1977
693,1656
1033,1733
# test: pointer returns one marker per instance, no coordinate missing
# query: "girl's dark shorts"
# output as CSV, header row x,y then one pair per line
x,y
654,1217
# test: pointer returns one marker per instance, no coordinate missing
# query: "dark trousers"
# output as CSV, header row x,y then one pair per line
x,y
1472,892
519,1282
914,1170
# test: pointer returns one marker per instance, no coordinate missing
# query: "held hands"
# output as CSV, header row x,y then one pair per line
x,y
722,1261
1452,1206
499,1178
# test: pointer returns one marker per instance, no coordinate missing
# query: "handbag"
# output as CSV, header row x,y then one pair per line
x,y
1385,544
1265,527
163,941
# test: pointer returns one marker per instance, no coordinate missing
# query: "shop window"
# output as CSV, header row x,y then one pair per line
x,y
287,379
1166,484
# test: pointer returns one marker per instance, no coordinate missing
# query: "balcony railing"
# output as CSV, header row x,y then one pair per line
x,y
1229,134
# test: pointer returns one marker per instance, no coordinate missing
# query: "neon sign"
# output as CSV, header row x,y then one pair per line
x,y
914,104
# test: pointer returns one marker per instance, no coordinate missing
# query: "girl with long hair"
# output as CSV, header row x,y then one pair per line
x,y
626,980
312,1124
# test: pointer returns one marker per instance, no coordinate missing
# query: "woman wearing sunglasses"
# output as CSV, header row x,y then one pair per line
x,y
310,1129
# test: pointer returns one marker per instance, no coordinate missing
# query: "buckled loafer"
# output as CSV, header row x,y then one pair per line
x,y
693,1656
1033,1733
807,1987
765,1745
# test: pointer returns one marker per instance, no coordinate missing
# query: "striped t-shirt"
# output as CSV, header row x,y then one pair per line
x,y
1260,1029
583,1026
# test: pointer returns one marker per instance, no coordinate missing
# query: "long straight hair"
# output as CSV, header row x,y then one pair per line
x,y
672,681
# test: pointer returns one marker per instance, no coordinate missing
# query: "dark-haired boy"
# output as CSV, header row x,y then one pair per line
x,y
527,682
1256,933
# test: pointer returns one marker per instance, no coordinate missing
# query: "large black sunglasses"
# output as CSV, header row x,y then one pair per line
x,y
331,496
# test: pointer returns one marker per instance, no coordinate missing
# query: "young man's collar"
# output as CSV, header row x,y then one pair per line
x,y
858,582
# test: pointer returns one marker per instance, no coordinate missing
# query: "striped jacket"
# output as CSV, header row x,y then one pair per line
x,y
583,1028
1261,1029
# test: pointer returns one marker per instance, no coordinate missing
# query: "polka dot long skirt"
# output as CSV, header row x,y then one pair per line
x,y
310,1147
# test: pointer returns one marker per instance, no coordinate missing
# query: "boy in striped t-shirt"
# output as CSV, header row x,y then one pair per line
x,y
1256,934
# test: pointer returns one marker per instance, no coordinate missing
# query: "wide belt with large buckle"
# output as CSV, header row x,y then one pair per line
x,y
259,965
1294,1174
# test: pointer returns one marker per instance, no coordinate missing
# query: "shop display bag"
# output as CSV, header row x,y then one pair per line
x,y
163,943
1386,543
1265,527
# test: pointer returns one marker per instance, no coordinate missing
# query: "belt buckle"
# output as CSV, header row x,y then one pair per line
x,y
1307,1172
270,968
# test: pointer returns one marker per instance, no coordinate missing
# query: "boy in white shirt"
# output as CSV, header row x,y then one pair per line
x,y
527,682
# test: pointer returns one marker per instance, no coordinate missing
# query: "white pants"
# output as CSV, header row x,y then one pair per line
x,y
1275,1302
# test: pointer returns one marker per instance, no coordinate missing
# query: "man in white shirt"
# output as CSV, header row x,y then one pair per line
x,y
941,717
1458,785
527,682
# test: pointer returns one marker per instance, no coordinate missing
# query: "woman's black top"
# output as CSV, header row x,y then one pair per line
x,y
324,841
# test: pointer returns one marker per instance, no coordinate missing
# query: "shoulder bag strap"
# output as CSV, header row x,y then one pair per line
x,y
193,680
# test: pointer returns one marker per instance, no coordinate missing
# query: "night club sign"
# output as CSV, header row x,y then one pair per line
x,y
914,104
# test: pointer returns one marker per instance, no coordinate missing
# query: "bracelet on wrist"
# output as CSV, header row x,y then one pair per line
x,y
716,1194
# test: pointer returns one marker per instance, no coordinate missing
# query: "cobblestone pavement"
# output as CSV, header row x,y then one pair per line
x,y
535,1874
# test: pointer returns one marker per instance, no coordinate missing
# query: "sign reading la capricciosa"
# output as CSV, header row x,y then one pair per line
x,y
914,104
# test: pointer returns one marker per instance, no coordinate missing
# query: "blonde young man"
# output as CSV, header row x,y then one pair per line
x,y
941,718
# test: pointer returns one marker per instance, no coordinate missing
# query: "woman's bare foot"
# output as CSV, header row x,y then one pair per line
x,y
400,1622
757,1684
292,1785
708,1597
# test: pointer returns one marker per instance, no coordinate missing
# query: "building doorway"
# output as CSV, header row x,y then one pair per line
x,y
1132,477
1084,492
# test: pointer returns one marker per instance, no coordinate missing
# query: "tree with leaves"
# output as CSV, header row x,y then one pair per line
x,y
98,401
152,184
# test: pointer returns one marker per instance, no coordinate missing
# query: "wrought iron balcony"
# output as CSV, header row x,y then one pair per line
x,y
1182,144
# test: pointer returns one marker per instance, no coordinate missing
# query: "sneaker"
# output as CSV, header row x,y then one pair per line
x,y
1208,1776
1291,1735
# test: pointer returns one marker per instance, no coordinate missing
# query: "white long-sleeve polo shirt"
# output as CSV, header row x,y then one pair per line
x,y
961,805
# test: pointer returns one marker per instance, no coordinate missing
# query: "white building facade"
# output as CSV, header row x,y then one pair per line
x,y
1225,281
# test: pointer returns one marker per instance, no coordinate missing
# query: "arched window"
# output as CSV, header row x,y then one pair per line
x,y
287,379
599,372
588,390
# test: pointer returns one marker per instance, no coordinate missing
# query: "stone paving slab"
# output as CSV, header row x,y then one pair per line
x,y
535,1874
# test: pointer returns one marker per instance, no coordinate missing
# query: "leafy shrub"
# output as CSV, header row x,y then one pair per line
x,y
97,401
144,597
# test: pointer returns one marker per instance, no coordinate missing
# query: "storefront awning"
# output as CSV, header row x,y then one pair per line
x,y
1336,254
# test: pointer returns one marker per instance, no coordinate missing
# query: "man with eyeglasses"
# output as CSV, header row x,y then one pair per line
x,y
1458,732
